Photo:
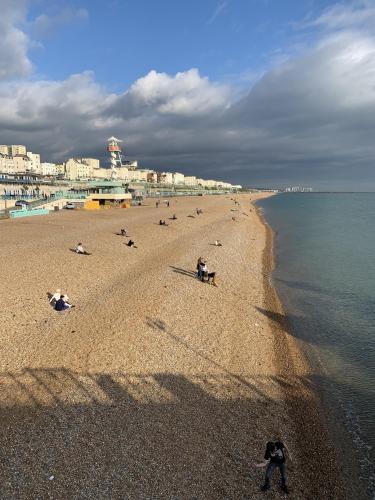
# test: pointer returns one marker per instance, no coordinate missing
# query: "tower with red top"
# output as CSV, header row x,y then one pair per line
x,y
114,150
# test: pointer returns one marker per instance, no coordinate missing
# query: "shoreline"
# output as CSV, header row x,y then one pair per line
x,y
175,382
318,472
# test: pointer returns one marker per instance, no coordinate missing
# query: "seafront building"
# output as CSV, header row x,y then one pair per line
x,y
19,166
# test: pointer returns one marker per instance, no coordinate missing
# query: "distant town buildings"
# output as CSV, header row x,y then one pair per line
x,y
15,159
298,189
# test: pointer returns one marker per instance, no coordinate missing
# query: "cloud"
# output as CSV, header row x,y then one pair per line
x,y
311,117
45,25
357,14
220,8
310,120
14,43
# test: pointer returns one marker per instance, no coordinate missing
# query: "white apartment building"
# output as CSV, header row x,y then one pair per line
x,y
75,170
49,168
190,180
178,178
138,175
13,150
6,164
131,165
152,176
165,177
34,164
91,162
122,173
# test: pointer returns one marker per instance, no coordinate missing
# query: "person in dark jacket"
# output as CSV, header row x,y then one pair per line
x,y
61,304
275,457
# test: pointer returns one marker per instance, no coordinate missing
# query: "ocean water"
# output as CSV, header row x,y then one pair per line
x,y
325,277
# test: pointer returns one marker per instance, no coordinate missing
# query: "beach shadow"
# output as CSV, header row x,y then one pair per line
x,y
185,272
73,250
121,434
280,319
156,324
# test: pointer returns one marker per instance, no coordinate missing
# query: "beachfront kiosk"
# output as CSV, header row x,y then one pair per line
x,y
99,194
109,193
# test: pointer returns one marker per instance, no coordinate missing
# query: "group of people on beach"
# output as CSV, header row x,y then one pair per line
x,y
157,203
276,452
203,273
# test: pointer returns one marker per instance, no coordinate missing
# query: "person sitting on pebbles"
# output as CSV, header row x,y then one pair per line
x,y
199,267
55,297
206,275
80,250
217,243
162,223
131,243
174,217
62,304
124,232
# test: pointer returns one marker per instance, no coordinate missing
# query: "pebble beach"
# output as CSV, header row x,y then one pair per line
x,y
155,385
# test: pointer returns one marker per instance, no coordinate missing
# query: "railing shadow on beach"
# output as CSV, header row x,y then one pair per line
x,y
151,435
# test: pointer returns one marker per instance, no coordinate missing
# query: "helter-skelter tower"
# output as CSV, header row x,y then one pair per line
x,y
115,151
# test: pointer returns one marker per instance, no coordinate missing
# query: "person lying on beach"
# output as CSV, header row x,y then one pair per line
x,y
131,243
62,304
218,244
162,223
275,457
79,249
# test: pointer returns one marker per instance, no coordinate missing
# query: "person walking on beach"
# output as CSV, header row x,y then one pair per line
x,y
275,457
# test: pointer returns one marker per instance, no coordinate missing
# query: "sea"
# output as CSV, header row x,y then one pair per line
x,y
324,274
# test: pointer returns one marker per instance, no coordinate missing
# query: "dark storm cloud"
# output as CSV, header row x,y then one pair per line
x,y
310,120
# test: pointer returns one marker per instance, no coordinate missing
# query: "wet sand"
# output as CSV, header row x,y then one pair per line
x,y
155,385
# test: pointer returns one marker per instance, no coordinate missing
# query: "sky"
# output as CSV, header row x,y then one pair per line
x,y
267,93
